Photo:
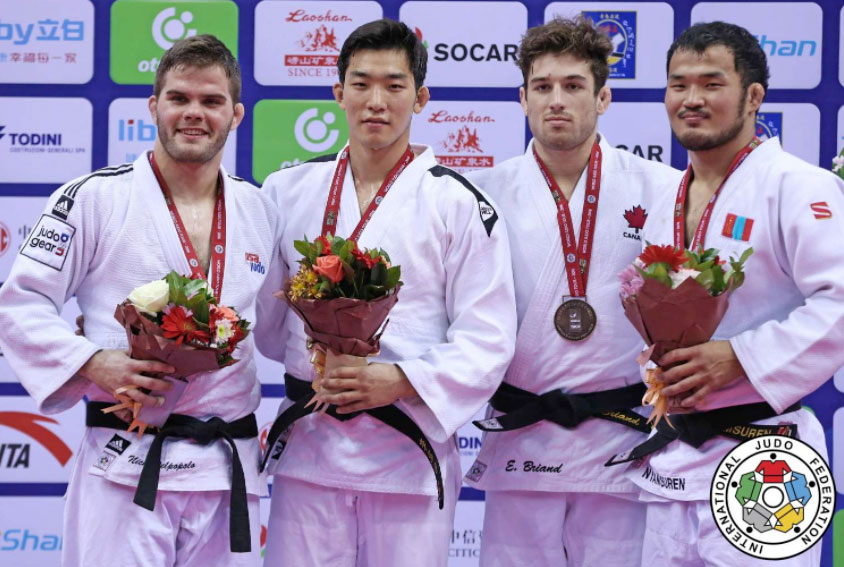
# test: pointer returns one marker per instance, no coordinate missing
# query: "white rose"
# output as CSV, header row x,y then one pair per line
x,y
150,298
682,275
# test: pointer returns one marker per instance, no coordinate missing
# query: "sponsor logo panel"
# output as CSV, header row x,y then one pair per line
x,y
35,447
48,139
298,43
289,132
469,56
464,548
142,30
641,128
31,530
131,131
789,34
639,32
471,135
838,449
18,215
796,124
43,41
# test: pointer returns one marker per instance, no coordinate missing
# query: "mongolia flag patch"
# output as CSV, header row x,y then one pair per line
x,y
737,227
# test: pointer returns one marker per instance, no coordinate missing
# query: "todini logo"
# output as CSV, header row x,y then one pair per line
x,y
26,423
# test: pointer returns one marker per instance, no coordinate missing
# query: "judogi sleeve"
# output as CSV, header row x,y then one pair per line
x,y
271,312
456,378
790,358
42,349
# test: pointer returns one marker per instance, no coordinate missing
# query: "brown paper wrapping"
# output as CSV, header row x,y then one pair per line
x,y
345,325
147,342
674,318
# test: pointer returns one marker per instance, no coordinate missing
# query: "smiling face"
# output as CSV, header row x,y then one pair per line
x,y
560,102
379,98
706,103
194,113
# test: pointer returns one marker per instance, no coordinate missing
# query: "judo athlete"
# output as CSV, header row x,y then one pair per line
x,y
101,236
351,487
574,207
783,333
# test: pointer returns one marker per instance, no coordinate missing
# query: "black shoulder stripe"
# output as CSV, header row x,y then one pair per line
x,y
488,215
62,207
104,172
326,157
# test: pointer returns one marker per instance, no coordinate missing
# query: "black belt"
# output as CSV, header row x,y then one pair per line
x,y
203,432
522,408
301,393
697,428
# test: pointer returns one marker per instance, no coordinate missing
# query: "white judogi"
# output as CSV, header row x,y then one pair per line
x,y
118,234
452,332
544,361
785,324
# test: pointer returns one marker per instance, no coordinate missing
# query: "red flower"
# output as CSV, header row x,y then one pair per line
x,y
326,245
330,267
366,258
666,254
177,323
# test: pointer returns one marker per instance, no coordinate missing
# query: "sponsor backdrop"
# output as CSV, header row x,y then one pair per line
x,y
75,76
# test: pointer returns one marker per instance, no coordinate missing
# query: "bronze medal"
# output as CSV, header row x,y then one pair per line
x,y
575,319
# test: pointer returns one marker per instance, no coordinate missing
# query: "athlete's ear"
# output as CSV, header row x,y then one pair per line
x,y
604,99
423,95
338,94
153,112
523,98
239,112
755,96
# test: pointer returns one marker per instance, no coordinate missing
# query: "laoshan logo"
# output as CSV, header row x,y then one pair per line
x,y
773,497
462,150
621,27
142,30
769,125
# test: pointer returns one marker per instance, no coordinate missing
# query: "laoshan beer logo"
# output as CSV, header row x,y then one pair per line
x,y
290,132
773,497
621,27
142,30
768,125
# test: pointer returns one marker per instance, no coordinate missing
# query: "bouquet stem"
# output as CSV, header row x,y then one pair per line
x,y
653,397
325,360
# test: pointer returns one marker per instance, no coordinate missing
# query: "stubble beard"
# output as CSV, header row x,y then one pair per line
x,y
193,154
697,142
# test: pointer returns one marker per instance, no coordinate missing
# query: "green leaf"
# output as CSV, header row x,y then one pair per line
x,y
303,247
378,276
393,277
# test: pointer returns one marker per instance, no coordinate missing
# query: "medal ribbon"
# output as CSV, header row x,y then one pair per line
x,y
332,206
703,224
218,232
577,255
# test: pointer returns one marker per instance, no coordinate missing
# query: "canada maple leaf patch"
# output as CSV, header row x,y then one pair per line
x,y
636,217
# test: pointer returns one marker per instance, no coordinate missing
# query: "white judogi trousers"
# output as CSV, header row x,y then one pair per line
x,y
554,529
321,526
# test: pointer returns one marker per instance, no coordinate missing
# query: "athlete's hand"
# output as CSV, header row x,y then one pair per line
x,y
356,388
80,325
695,372
112,369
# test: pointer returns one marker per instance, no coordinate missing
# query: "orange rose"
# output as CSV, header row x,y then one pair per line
x,y
330,267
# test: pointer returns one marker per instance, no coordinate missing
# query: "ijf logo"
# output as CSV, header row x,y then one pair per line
x,y
768,125
621,27
773,497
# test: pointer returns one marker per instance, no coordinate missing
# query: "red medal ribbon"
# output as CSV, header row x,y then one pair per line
x,y
218,232
703,224
577,255
332,206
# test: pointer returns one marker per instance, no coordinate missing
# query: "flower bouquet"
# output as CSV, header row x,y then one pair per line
x,y
675,299
343,295
838,164
176,320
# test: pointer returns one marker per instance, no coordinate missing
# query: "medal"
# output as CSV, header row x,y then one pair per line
x,y
575,319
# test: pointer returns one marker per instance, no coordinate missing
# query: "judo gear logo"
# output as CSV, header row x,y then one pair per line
x,y
773,497
49,242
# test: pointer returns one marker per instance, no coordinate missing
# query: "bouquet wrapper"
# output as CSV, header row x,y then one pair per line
x,y
147,342
344,325
668,319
